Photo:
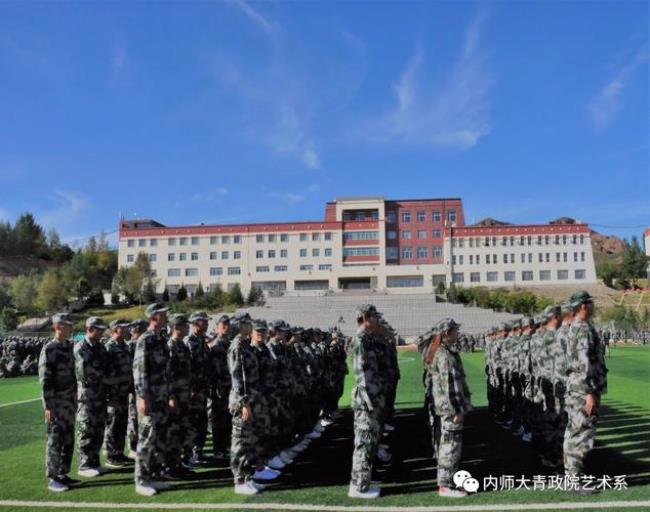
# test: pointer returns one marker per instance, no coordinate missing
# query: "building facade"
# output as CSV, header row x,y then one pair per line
x,y
362,243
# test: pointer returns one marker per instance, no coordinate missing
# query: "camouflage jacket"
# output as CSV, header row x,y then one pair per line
x,y
219,375
536,343
299,369
150,369
91,365
587,373
282,366
560,354
267,372
545,361
245,374
199,355
119,373
56,373
523,355
179,370
449,389
368,390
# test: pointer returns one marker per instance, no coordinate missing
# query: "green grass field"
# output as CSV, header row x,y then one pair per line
x,y
320,476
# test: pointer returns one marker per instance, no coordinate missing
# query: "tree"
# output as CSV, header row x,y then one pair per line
x,y
83,288
200,292
136,281
181,294
5,297
95,297
635,262
254,295
115,298
23,290
53,293
149,294
9,319
608,272
165,295
235,295
215,297
29,236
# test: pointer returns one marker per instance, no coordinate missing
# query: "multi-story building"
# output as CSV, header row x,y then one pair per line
x,y
371,243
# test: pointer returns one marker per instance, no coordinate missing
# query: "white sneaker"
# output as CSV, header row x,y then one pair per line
x,y
159,485
371,493
389,428
326,422
56,486
247,489
319,428
145,489
91,472
265,474
276,463
258,486
384,455
132,455
446,492
314,434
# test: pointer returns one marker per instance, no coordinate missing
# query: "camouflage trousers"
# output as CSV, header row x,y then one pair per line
x,y
579,434
132,426
152,440
220,423
198,412
60,439
391,395
448,449
243,448
117,416
177,426
267,428
91,422
367,433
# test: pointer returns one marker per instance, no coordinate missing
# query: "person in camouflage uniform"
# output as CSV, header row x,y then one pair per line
x,y
179,374
393,374
368,401
56,374
119,381
525,377
137,329
152,400
198,408
91,365
586,383
422,344
219,385
337,369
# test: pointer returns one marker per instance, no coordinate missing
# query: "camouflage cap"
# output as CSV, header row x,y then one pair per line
x,y
367,310
277,325
259,325
446,325
178,319
527,322
581,297
120,322
154,308
515,324
549,312
94,322
297,330
62,318
223,318
199,316
566,306
241,316
141,323
502,327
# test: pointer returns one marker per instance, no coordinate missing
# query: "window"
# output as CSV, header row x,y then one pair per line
x,y
152,258
153,242
564,256
407,253
580,274
236,255
406,234
272,238
213,255
171,241
530,257
191,272
435,215
129,258
225,239
437,233
391,217
361,235
475,277
582,239
315,253
271,253
182,256
182,240
544,275
280,268
406,216
422,234
236,239
471,259
213,240
284,237
234,271
436,252
557,257
171,256
527,275
548,257
562,275
306,268
492,277
315,237
575,256
361,251
142,242
173,272
391,253
262,269
505,258
303,237
328,252
303,253
284,253
195,240
325,266
523,258
259,254
130,243
420,216
404,281
328,236
259,239
460,259
391,235
224,255
451,215
194,256
216,271
422,252
457,277
540,257
582,256
509,276
574,239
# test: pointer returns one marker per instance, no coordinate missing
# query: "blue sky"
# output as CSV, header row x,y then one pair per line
x,y
234,111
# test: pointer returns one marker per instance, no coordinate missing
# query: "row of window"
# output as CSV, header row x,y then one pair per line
x,y
421,252
420,216
475,259
512,241
235,271
511,276
228,239
361,235
420,233
360,251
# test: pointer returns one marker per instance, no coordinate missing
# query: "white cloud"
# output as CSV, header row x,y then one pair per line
x,y
70,206
454,115
608,102
255,16
311,159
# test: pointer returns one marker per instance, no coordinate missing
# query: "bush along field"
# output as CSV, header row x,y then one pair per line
x,y
320,476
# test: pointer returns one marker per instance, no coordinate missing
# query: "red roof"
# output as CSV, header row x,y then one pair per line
x,y
518,230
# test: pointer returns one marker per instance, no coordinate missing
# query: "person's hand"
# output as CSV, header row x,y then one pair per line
x,y
590,404
49,417
246,413
457,419
143,406
172,403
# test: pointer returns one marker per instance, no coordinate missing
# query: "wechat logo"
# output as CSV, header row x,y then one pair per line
x,y
464,480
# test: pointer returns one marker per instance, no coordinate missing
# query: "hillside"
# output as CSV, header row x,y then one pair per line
x,y
12,266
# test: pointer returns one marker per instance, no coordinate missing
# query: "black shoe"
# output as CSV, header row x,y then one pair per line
x,y
66,480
